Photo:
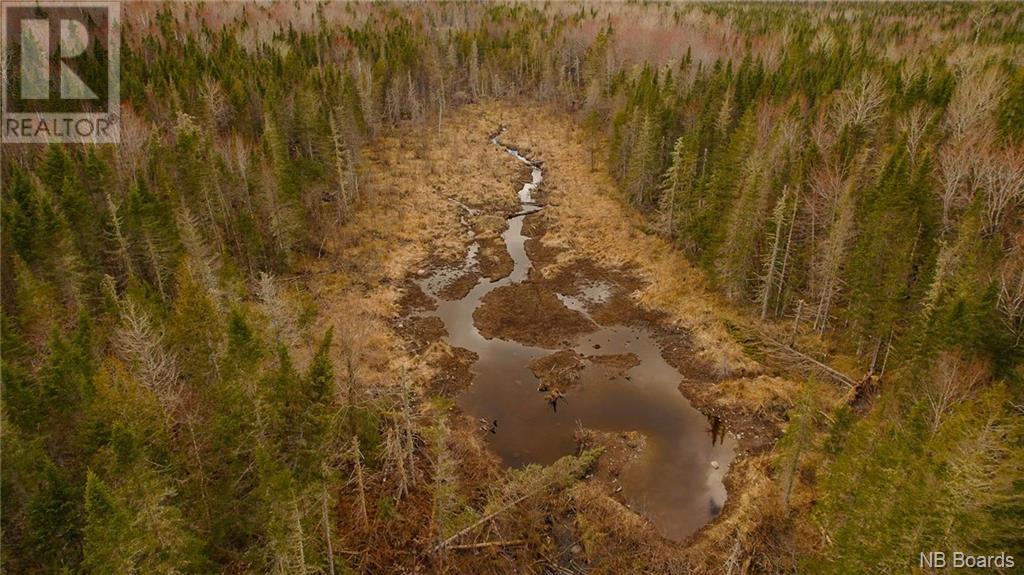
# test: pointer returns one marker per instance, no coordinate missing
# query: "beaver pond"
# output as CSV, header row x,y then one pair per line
x,y
621,383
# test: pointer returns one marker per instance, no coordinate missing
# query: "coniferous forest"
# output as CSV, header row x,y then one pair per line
x,y
218,347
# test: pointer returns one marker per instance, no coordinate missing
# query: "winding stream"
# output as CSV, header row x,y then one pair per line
x,y
675,480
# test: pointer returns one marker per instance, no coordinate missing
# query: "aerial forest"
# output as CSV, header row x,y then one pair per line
x,y
298,319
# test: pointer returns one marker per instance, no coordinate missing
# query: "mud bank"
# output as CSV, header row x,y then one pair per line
x,y
565,358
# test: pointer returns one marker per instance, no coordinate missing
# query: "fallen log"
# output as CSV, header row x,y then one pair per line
x,y
785,353
488,544
447,542
469,211
524,213
558,475
836,374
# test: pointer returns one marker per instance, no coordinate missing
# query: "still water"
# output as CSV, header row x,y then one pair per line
x,y
675,481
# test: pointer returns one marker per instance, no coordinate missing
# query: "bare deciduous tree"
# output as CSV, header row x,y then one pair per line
x,y
216,108
822,135
860,104
952,381
915,125
1011,293
282,318
1002,180
141,345
955,172
135,133
978,92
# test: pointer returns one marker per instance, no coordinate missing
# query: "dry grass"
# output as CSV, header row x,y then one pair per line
x,y
759,394
406,215
409,219
588,218
614,539
759,535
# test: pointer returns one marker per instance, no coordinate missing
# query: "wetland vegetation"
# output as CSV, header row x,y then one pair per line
x,y
575,287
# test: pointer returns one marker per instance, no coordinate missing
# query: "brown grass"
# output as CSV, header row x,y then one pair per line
x,y
408,220
588,219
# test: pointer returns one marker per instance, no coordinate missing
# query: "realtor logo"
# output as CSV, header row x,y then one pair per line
x,y
61,71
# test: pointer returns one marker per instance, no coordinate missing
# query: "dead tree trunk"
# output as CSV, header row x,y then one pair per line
x,y
785,256
410,437
327,528
796,322
357,458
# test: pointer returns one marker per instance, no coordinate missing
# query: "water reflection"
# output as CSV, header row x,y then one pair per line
x,y
675,481
717,430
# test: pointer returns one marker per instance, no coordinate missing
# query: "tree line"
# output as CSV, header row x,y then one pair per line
x,y
166,407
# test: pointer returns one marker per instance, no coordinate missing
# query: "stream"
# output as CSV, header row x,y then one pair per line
x,y
675,480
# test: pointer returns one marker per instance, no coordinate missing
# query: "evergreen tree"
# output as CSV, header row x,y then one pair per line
x,y
645,162
678,201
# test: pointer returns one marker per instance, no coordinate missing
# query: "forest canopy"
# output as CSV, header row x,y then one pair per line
x,y
852,172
